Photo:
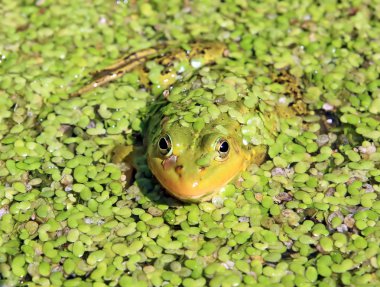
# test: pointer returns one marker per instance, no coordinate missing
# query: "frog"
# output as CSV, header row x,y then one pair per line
x,y
207,121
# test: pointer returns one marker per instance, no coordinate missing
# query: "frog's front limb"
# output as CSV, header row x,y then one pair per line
x,y
124,156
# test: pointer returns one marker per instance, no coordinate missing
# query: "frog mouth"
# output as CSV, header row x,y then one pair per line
x,y
189,187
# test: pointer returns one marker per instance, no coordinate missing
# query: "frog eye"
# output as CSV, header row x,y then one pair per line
x,y
222,147
165,145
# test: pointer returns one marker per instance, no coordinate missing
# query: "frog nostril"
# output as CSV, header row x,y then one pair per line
x,y
169,162
178,169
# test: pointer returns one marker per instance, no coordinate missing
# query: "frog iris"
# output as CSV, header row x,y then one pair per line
x,y
165,145
222,147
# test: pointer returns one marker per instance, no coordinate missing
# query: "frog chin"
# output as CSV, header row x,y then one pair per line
x,y
204,197
192,190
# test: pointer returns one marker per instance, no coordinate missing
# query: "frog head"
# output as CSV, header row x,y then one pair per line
x,y
192,165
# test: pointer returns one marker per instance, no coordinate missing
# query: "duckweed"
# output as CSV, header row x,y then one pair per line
x,y
308,216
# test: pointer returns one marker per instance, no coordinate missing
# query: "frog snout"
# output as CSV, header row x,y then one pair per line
x,y
180,170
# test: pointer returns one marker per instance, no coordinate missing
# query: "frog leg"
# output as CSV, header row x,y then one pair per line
x,y
293,89
117,70
164,55
257,154
125,61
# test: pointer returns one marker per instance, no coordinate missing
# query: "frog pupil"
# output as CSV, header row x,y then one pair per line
x,y
163,144
224,147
